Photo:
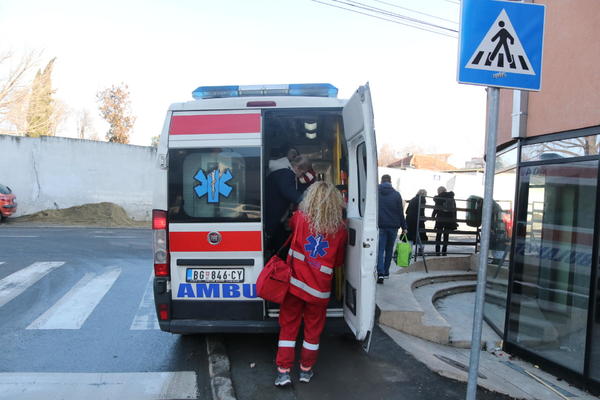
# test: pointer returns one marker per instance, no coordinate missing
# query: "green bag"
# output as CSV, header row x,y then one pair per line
x,y
403,252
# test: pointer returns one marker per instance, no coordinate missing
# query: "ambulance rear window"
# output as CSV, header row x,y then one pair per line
x,y
217,184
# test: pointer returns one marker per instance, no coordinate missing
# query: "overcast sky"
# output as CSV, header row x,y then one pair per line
x,y
165,49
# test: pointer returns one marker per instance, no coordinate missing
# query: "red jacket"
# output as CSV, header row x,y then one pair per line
x,y
313,258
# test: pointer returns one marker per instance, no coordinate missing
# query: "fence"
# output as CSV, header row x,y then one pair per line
x,y
455,222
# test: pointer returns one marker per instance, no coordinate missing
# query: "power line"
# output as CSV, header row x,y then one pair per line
x,y
409,24
415,11
376,10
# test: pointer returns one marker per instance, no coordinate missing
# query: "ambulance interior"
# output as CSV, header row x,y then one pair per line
x,y
317,135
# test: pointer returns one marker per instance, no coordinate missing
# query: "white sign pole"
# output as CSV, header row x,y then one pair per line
x,y
493,95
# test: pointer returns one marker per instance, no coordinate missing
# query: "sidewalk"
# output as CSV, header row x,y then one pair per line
x,y
430,316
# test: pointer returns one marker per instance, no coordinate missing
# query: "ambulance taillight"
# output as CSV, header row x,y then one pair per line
x,y
161,254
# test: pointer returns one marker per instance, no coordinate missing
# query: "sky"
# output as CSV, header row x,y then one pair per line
x,y
164,49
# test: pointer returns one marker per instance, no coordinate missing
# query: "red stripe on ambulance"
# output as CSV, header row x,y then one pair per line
x,y
230,241
214,124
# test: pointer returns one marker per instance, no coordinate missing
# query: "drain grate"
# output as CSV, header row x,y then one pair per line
x,y
457,364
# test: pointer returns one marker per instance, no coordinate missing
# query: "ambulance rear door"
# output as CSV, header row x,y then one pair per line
x,y
215,226
361,253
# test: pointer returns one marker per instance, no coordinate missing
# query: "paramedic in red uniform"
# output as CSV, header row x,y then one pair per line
x,y
318,246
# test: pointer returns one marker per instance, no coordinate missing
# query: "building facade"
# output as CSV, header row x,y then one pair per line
x,y
543,288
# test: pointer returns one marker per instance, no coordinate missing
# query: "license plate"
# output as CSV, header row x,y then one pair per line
x,y
214,275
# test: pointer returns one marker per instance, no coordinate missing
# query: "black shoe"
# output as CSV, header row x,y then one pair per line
x,y
380,280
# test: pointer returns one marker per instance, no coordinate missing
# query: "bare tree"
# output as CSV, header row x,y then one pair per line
x,y
14,88
84,123
386,155
115,108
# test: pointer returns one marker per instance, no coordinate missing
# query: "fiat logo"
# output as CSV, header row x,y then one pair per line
x,y
214,237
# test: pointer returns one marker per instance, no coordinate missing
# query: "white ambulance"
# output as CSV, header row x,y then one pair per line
x,y
209,201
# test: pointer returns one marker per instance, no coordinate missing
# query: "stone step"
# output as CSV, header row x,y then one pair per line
x,y
406,302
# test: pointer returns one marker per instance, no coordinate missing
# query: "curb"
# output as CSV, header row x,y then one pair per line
x,y
219,369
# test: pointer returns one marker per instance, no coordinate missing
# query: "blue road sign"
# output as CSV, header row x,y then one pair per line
x,y
501,44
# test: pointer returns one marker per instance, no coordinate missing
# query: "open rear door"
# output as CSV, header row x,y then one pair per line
x,y
361,253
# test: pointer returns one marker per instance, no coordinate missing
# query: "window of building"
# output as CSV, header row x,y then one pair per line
x,y
566,148
499,255
553,260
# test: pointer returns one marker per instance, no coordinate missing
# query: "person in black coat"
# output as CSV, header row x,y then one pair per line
x,y
445,218
414,212
283,190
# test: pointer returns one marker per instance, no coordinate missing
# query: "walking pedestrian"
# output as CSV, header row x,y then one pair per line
x,y
445,218
318,246
391,218
415,211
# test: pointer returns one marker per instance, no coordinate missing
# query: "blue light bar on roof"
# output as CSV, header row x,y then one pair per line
x,y
298,89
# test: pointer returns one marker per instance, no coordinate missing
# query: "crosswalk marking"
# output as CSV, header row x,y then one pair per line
x,y
145,318
96,386
72,310
16,283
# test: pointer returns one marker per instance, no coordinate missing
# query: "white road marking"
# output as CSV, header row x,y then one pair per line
x,y
18,236
72,310
16,283
1,262
114,237
96,386
145,318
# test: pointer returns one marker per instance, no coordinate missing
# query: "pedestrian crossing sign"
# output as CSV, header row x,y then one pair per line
x,y
501,44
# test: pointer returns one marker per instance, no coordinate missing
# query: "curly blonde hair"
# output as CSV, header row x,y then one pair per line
x,y
323,205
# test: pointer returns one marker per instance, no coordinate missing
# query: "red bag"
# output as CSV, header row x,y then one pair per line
x,y
273,281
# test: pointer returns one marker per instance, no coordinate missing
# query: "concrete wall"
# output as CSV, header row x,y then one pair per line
x,y
50,172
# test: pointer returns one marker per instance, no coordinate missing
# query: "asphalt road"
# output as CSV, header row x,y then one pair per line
x,y
76,321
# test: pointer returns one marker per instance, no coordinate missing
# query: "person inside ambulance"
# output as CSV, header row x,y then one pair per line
x,y
285,161
282,191
318,246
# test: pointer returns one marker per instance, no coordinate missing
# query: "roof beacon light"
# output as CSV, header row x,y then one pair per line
x,y
299,89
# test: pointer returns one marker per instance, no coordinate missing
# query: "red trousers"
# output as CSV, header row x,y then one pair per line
x,y
293,310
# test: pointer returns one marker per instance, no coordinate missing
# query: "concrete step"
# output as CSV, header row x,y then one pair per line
x,y
406,301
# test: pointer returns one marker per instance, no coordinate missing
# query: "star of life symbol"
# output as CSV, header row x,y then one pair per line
x,y
213,184
501,50
316,245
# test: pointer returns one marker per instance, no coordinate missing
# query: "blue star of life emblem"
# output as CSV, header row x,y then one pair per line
x,y
316,246
213,184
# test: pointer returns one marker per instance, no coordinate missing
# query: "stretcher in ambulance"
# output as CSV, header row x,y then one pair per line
x,y
209,201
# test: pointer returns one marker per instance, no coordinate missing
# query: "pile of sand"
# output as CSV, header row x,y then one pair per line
x,y
97,214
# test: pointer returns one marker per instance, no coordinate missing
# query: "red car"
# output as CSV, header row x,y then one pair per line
x,y
8,205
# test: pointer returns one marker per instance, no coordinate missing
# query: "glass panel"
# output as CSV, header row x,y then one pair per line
x,y
500,241
595,344
214,185
506,160
361,157
553,257
574,147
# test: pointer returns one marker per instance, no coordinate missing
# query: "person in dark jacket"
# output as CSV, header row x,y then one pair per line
x,y
391,218
283,190
414,212
445,218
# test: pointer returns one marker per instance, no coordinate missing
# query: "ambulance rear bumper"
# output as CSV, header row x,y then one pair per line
x,y
212,326
188,326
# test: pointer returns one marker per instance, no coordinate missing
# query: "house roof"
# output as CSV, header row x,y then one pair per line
x,y
433,162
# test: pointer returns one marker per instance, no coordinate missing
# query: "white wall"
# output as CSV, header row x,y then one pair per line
x,y
52,172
